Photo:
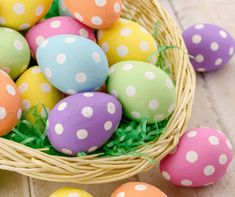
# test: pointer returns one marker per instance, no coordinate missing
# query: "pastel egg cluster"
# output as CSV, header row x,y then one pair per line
x,y
83,122
102,14
14,52
56,26
201,158
70,192
10,104
22,14
210,52
126,40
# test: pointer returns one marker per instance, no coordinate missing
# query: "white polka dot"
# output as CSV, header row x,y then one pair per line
x,y
11,90
122,51
18,45
196,39
223,34
126,32
73,195
153,104
87,112
81,77
201,70
213,140
209,170
82,134
70,92
144,46
96,20
55,24
83,33
8,29
223,159
45,87
199,26
44,43
67,151
105,47
92,149
62,106
149,75
59,129
48,72
141,187
96,57
78,16
192,134
18,8
100,3
117,7
130,91
39,10
169,84
166,175
121,194
40,40
19,113
159,117
111,108
186,182
171,108
209,184
88,94
114,93
229,145
36,70
200,58
191,156
214,46
3,113
100,34
61,58
231,51
26,104
218,62
143,30
108,125
23,87
24,26
127,67
69,40
2,20
135,114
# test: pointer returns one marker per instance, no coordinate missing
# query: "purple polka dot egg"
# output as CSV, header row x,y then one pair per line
x,y
83,122
201,158
211,46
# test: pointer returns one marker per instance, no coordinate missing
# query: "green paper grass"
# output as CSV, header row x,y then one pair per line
x,y
54,10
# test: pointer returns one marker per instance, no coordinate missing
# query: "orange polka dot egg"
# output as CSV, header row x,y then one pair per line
x,y
98,14
22,14
138,189
10,104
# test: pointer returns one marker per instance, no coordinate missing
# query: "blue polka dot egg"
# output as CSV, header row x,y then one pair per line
x,y
73,64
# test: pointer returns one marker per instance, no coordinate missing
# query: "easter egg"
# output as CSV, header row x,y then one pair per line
x,y
144,90
211,45
70,192
98,14
10,104
63,10
36,90
202,157
14,52
126,40
56,26
73,64
137,189
83,122
22,14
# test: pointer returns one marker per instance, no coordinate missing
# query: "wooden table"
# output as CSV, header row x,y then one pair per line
x,y
214,107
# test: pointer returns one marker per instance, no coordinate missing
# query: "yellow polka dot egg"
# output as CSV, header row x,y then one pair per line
x,y
126,40
70,192
35,90
22,14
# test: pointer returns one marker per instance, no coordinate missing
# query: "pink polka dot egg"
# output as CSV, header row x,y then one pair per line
x,y
56,26
201,158
211,46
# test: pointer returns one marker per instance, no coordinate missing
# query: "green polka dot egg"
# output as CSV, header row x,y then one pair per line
x,y
14,52
143,89
22,14
126,40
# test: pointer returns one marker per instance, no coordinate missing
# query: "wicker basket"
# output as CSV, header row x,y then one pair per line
x,y
92,169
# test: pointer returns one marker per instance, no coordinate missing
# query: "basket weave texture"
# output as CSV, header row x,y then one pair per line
x,y
93,169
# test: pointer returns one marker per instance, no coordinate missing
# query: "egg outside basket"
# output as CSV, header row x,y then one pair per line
x,y
93,169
